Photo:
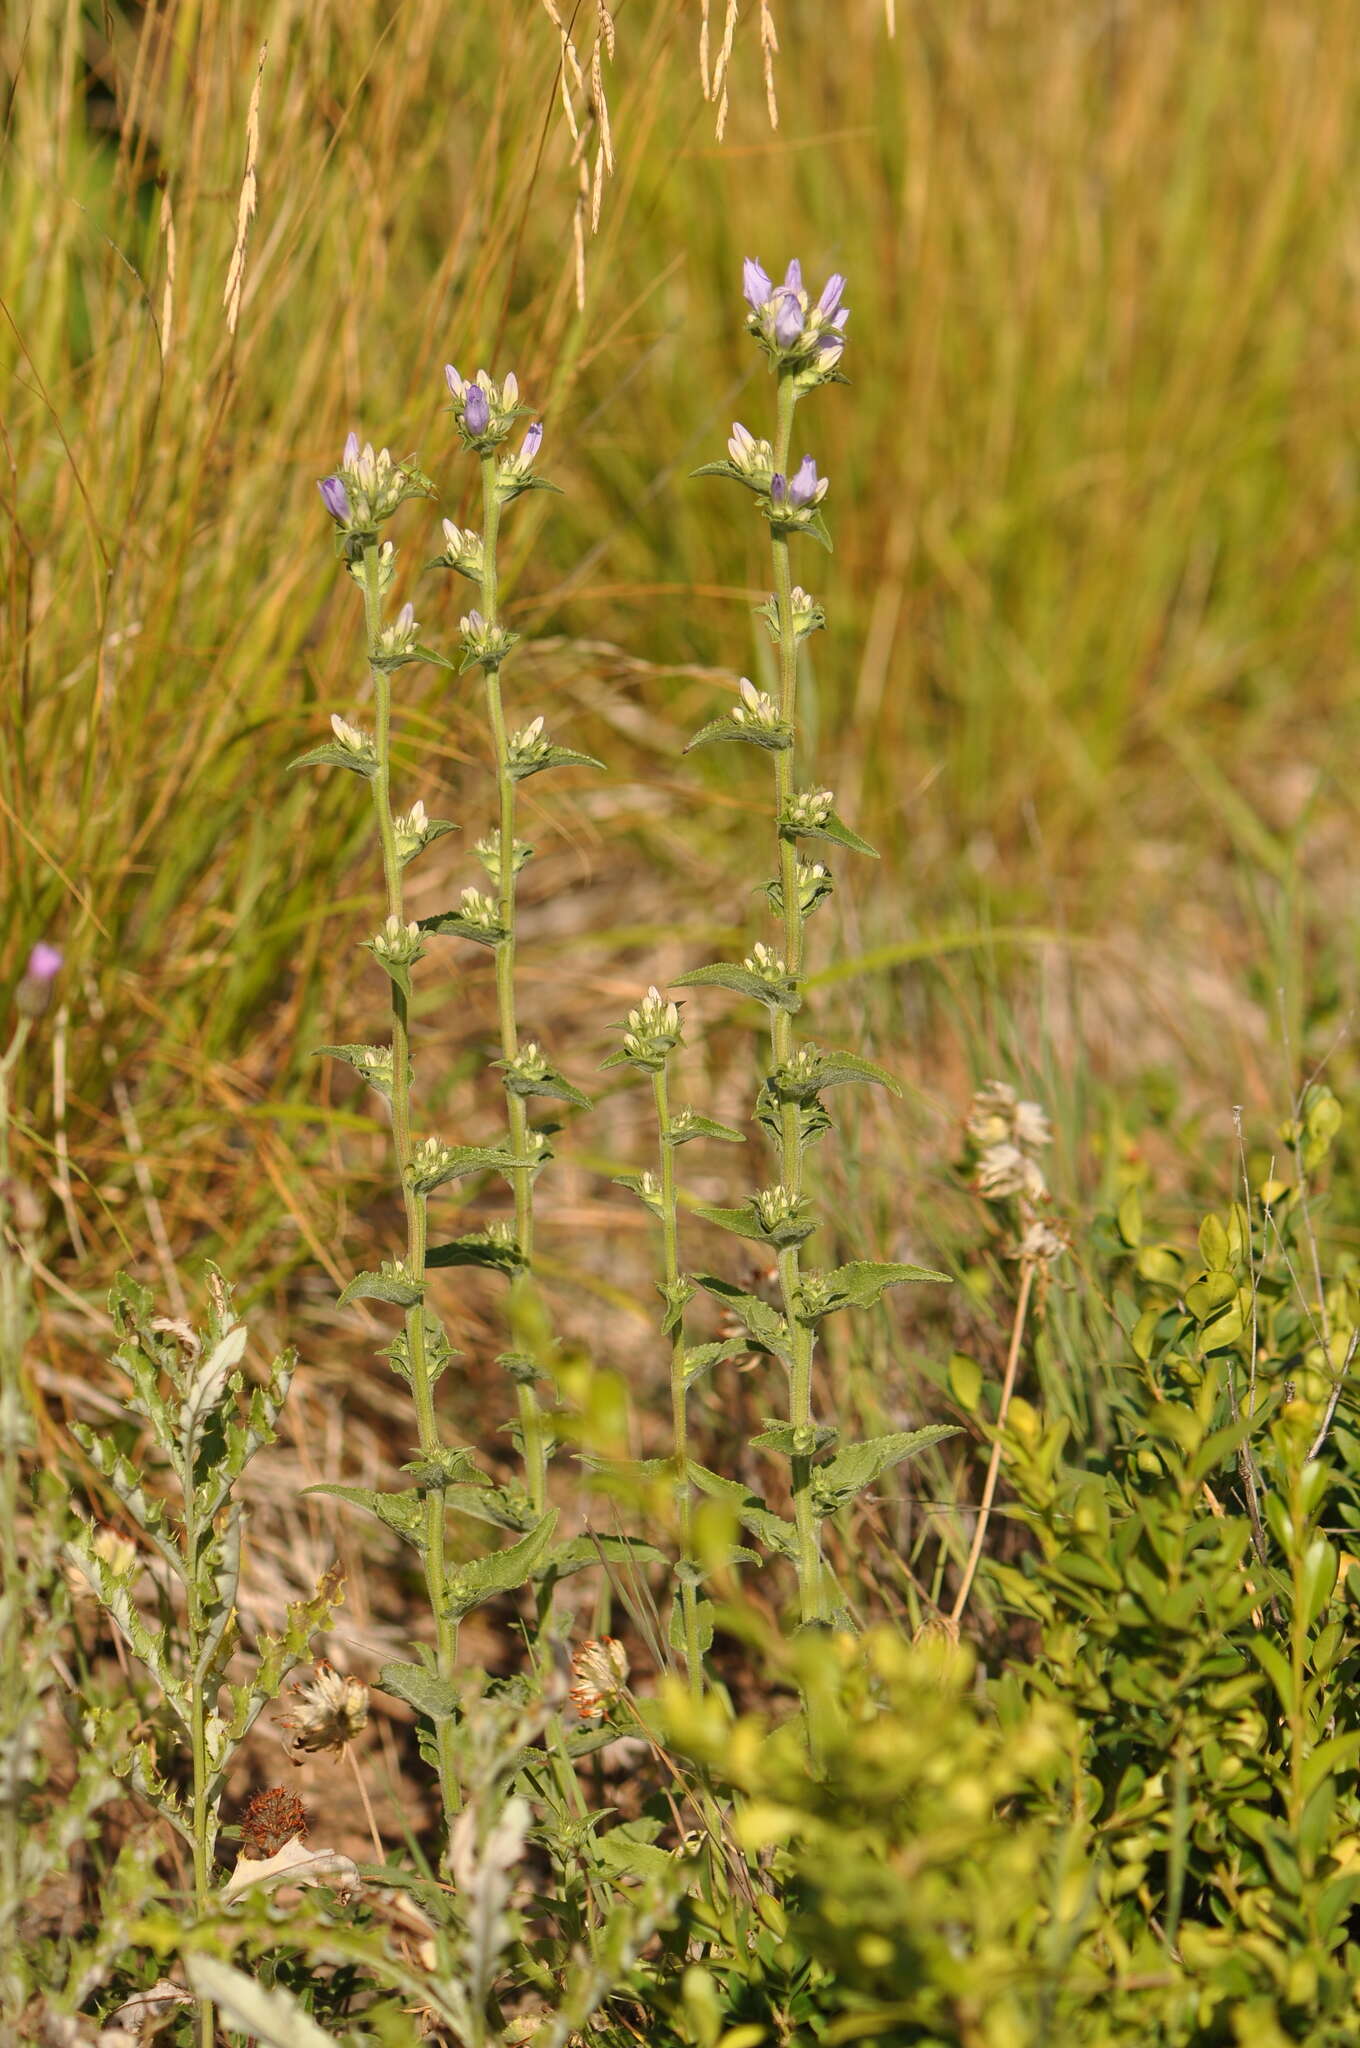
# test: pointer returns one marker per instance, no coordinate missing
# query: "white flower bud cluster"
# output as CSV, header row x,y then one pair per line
x,y
411,830
361,744
375,483
478,910
1007,1133
529,1062
530,743
764,961
754,459
398,942
814,884
464,551
396,640
488,852
756,708
810,808
775,1206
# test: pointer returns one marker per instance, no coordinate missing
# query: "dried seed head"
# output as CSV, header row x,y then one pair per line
x,y
271,1819
327,1712
599,1670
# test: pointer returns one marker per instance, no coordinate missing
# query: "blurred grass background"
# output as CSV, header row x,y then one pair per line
x,y
1089,679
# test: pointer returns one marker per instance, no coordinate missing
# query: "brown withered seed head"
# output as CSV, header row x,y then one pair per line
x,y
271,1819
326,1711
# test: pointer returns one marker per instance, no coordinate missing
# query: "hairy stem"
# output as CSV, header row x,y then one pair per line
x,y
532,1433
427,1427
810,1575
670,1238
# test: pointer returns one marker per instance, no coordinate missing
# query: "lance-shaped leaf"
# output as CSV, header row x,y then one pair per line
x,y
813,525
677,1298
774,1532
453,924
502,1506
470,1584
765,1324
403,1512
643,1185
857,1285
446,1467
125,1481
478,1248
422,1689
391,1283
457,1162
794,1439
398,972
701,1358
744,981
811,1070
275,1655
210,1385
703,1617
553,757
732,473
420,653
439,1353
776,739
830,827
859,1465
687,1125
540,1079
333,756
373,1063
433,828
580,1551
747,1221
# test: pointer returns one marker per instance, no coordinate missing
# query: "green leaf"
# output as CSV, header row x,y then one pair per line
x,y
547,1083
1213,1245
747,1222
372,1062
647,1191
704,1623
332,756
833,828
382,1286
730,471
1271,1661
477,1249
463,1160
701,1358
704,1127
403,1512
554,757
502,1572
765,1324
424,1690
210,1386
859,1465
580,1551
856,1285
744,981
435,828
273,2017
795,1440
1318,1577
447,924
775,739
398,972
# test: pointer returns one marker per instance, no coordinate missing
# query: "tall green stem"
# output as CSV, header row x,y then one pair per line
x,y
427,1427
12,1604
530,1414
670,1237
810,1592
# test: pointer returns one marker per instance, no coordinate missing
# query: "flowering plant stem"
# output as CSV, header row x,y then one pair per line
x,y
670,1238
415,1203
534,1443
810,1591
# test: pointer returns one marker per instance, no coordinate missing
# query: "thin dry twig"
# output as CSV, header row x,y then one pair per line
x,y
994,1463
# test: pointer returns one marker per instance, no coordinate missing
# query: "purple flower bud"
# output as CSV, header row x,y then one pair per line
x,y
476,410
803,488
755,285
793,277
406,618
533,441
831,294
788,318
453,380
475,622
778,488
44,962
34,992
335,498
351,454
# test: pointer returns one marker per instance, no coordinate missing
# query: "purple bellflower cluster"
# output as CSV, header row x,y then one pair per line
x,y
796,335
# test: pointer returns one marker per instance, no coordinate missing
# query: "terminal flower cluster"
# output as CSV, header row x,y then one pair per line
x,y
485,410
801,338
